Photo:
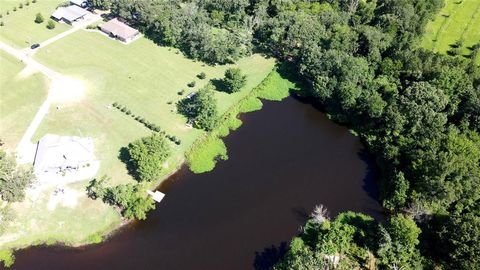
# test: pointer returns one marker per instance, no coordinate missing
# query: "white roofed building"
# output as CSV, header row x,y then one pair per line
x,y
70,14
65,158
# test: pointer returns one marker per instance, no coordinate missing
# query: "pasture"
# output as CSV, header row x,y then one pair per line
x,y
19,28
459,20
22,94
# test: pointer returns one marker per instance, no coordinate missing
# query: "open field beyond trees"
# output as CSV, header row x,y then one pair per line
x,y
22,94
19,28
458,20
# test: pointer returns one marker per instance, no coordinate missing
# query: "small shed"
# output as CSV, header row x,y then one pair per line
x,y
69,14
119,30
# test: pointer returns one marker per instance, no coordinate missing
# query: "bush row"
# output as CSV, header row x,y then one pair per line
x,y
153,127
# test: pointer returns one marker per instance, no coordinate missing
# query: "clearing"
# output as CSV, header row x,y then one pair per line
x,y
143,77
22,94
19,28
458,20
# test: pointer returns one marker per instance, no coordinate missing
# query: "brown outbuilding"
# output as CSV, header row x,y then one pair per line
x,y
119,30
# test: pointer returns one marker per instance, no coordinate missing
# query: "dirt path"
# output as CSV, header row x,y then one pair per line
x,y
62,88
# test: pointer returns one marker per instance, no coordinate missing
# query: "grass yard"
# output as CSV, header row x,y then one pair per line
x,y
458,20
21,98
19,28
141,76
145,78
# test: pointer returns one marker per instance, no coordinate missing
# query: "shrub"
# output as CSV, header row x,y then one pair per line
x,y
39,18
14,9
34,1
202,75
27,3
181,92
169,102
123,109
20,6
234,80
128,112
178,142
115,104
148,155
50,24
191,84
1,24
1,16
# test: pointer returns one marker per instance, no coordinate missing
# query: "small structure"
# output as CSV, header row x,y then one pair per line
x,y
156,196
119,30
192,94
80,3
69,14
65,158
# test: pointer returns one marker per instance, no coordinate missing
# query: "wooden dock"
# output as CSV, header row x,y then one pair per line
x,y
156,196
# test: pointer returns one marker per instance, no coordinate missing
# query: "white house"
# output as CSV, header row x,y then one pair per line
x,y
70,14
68,158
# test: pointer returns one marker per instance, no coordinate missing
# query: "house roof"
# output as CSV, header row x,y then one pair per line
x,y
119,29
70,13
58,152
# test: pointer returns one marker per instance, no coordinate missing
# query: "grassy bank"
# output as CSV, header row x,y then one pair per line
x,y
208,149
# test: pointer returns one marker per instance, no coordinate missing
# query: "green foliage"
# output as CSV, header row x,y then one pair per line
x,y
50,24
13,180
39,18
234,80
201,108
398,244
6,216
148,155
96,188
6,256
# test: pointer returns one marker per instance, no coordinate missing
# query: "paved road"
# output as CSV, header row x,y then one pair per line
x,y
25,148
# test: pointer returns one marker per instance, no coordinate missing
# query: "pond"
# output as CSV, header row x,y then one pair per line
x,y
284,160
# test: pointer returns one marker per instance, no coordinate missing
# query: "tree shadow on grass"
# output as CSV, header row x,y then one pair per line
x,y
124,156
266,259
219,85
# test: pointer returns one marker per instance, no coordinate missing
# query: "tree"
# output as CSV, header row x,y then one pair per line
x,y
459,236
398,244
51,24
234,80
132,199
39,18
13,180
96,188
201,108
148,155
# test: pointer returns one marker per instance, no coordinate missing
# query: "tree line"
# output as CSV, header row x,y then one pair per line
x,y
417,111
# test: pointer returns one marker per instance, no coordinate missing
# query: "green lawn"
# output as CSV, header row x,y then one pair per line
x,y
457,20
142,76
21,98
19,28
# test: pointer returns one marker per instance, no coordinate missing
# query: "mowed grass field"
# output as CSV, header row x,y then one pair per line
x,y
20,99
19,28
458,20
141,76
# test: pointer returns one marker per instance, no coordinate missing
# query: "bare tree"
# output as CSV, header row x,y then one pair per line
x,y
320,213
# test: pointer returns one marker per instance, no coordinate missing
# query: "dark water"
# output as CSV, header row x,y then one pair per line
x,y
285,159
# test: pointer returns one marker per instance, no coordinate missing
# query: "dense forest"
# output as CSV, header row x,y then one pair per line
x,y
418,112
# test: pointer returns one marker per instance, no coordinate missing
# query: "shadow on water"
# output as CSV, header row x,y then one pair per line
x,y
266,259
